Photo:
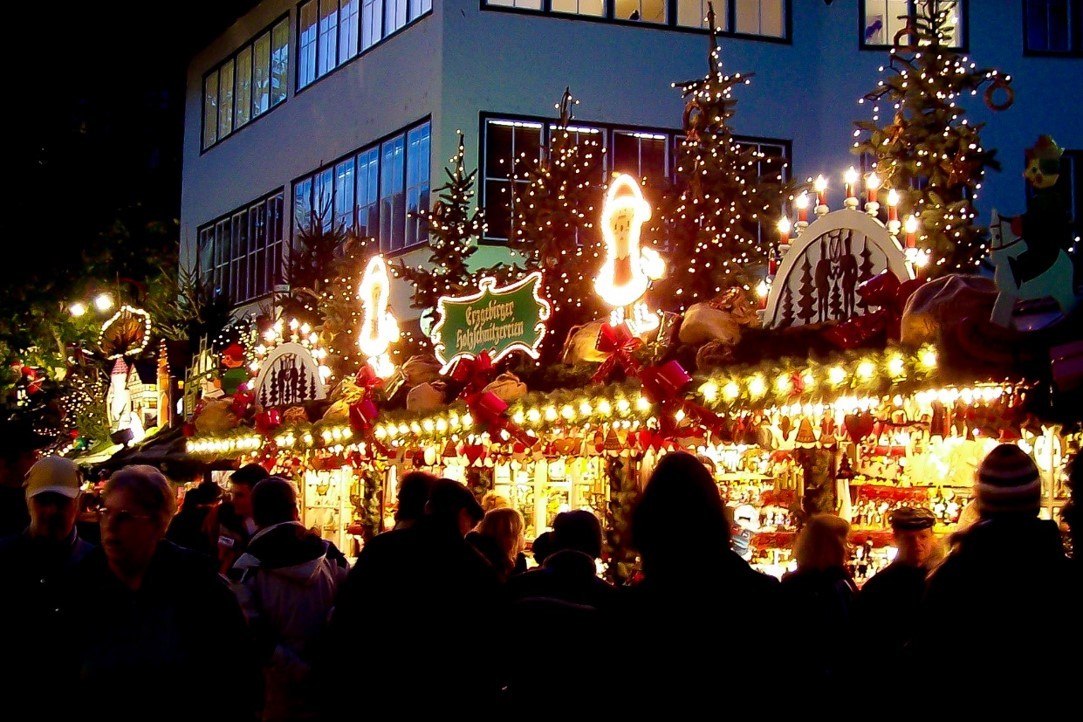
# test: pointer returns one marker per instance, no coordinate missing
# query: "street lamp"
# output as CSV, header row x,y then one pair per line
x,y
103,302
77,309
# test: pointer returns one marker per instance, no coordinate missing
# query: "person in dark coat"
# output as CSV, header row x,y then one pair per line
x,y
234,519
886,611
414,491
146,617
189,528
1009,579
407,621
701,615
36,565
819,597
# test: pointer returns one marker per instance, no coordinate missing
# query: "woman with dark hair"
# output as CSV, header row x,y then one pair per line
x,y
690,611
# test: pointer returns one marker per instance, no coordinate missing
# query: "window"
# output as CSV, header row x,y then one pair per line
x,y
506,143
306,40
327,51
882,20
371,192
1051,27
774,159
522,4
693,13
392,195
371,22
417,182
580,7
642,155
647,11
239,255
759,17
348,27
394,15
246,85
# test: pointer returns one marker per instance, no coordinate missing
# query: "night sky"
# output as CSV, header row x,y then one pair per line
x,y
102,98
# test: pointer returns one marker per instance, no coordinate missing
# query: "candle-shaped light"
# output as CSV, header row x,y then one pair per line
x,y
850,177
821,190
911,228
783,230
802,207
893,205
872,185
762,291
379,329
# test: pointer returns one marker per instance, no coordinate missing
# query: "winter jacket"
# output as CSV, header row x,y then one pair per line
x,y
176,648
567,575
288,579
886,615
35,587
187,530
818,605
1009,581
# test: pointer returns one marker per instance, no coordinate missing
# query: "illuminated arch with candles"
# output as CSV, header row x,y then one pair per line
x,y
836,252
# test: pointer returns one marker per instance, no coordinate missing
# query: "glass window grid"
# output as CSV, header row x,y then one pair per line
x,y
494,180
1052,27
890,10
239,254
245,85
371,192
733,17
333,32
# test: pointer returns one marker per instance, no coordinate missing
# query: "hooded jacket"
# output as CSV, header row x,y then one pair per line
x,y
288,579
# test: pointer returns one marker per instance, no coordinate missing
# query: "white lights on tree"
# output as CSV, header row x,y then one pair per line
x,y
379,329
629,268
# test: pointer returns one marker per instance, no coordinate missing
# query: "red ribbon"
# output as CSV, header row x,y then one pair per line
x,y
267,421
242,401
885,291
475,373
664,385
366,378
363,415
619,342
490,411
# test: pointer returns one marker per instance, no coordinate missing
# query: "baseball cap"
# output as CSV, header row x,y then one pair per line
x,y
53,474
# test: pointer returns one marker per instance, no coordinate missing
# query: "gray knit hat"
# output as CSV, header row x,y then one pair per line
x,y
1008,483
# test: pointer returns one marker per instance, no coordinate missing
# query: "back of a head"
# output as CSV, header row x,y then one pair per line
x,y
149,489
680,516
578,530
274,501
249,475
505,525
821,543
414,489
447,498
1008,484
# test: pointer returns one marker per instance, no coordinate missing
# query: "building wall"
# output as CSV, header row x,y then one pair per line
x,y
465,60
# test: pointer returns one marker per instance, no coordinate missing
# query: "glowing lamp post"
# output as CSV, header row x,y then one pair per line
x,y
379,329
629,268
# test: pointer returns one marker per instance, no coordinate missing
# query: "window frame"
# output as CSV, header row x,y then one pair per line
x,y
609,132
355,157
226,263
671,24
232,57
964,29
1075,37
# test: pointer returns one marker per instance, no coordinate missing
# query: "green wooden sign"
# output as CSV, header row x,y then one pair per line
x,y
494,320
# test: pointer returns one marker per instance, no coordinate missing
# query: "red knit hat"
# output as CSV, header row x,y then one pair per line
x,y
1008,482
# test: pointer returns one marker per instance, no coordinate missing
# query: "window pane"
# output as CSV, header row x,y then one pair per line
x,y
759,17
244,87
394,15
417,182
349,17
210,109
883,19
239,258
521,4
693,13
392,201
302,205
328,48
205,256
648,11
322,198
368,196
371,22
511,147
225,99
306,56
344,200
280,60
261,74
580,7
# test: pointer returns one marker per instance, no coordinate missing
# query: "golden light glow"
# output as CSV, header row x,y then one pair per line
x,y
379,329
629,268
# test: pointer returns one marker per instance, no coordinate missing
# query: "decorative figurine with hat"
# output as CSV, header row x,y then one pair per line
x,y
1044,226
236,372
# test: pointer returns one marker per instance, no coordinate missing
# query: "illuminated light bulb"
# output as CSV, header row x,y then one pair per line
x,y
623,405
643,403
836,375
77,309
928,358
896,366
709,391
551,413
865,370
604,408
103,302
429,425
783,384
534,416
757,386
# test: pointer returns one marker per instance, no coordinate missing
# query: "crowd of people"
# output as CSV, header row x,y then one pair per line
x,y
232,609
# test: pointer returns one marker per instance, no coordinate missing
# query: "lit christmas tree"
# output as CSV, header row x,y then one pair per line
x,y
341,308
554,224
454,227
928,151
711,220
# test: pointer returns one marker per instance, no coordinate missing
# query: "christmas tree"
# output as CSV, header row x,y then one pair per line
x,y
454,227
554,224
711,219
929,152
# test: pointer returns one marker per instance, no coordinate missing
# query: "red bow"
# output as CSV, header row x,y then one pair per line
x,y
885,291
619,343
475,373
267,421
363,415
366,378
242,400
664,385
490,411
